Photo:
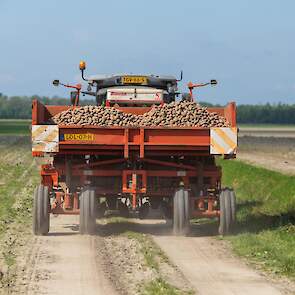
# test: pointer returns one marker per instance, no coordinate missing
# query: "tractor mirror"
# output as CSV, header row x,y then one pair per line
x,y
55,82
213,82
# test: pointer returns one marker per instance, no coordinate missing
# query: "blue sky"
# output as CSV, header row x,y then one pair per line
x,y
247,45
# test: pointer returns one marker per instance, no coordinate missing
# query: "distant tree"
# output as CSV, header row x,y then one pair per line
x,y
19,107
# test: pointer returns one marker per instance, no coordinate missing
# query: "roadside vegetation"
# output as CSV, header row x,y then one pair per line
x,y
265,231
161,287
18,177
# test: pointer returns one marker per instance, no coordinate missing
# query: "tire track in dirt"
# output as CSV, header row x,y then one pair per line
x,y
64,262
211,268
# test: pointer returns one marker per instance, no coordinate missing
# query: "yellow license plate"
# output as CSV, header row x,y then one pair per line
x,y
82,137
134,80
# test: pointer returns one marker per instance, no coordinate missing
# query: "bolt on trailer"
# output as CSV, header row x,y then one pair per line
x,y
92,168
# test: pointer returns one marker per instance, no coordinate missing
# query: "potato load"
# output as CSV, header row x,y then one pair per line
x,y
175,114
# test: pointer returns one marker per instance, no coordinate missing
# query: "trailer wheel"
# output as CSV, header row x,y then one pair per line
x,y
181,212
144,210
101,210
233,207
87,211
225,224
123,210
41,210
167,210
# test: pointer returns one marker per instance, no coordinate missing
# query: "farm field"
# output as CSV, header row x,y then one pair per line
x,y
274,153
15,127
282,131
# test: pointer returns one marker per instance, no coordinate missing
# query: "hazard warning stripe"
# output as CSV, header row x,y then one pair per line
x,y
223,140
45,138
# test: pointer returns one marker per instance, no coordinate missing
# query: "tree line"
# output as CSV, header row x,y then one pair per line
x,y
19,107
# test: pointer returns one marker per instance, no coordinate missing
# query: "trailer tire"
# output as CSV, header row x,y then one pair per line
x,y
175,214
144,210
88,211
233,200
180,212
225,224
41,210
123,210
187,212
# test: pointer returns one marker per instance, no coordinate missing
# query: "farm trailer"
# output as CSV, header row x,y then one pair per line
x,y
93,168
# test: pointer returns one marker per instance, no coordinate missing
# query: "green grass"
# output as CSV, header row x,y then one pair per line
x,y
15,127
18,178
151,252
266,216
160,287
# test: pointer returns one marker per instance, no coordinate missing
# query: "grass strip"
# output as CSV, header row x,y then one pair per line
x,y
161,287
265,230
152,253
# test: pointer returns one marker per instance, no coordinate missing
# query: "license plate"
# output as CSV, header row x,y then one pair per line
x,y
134,80
81,137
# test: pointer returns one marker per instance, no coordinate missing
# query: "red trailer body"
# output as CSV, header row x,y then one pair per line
x,y
133,164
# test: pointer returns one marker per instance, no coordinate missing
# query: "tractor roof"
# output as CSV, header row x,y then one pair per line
x,y
161,82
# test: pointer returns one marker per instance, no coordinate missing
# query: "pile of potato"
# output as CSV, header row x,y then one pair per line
x,y
175,114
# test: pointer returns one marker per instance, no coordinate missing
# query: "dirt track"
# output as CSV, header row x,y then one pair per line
x,y
66,263
211,270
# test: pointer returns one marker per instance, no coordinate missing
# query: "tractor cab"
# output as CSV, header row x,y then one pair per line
x,y
133,90
128,90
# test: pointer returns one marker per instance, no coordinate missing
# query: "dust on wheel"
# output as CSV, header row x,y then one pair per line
x,y
227,211
88,211
181,218
41,210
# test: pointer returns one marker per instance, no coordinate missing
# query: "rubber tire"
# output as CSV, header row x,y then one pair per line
x,y
225,224
88,211
101,210
41,210
144,210
181,212
175,213
187,212
233,207
167,210
123,210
